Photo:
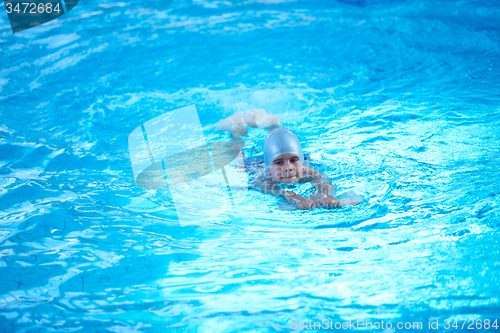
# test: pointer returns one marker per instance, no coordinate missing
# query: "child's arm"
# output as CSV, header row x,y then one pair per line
x,y
322,182
322,197
267,187
302,203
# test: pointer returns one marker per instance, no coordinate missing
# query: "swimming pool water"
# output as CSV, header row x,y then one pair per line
x,y
399,100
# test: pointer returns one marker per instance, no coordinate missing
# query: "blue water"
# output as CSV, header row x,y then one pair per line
x,y
399,101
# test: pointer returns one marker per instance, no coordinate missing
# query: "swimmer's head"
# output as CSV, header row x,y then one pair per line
x,y
283,156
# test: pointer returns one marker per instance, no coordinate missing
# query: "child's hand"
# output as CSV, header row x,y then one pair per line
x,y
324,188
301,203
305,204
328,201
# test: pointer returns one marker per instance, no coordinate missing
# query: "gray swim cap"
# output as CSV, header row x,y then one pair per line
x,y
281,141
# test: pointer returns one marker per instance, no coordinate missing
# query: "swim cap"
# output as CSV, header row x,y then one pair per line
x,y
281,141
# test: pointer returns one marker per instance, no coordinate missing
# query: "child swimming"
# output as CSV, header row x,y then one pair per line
x,y
284,163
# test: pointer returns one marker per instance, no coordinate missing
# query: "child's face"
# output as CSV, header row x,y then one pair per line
x,y
287,168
